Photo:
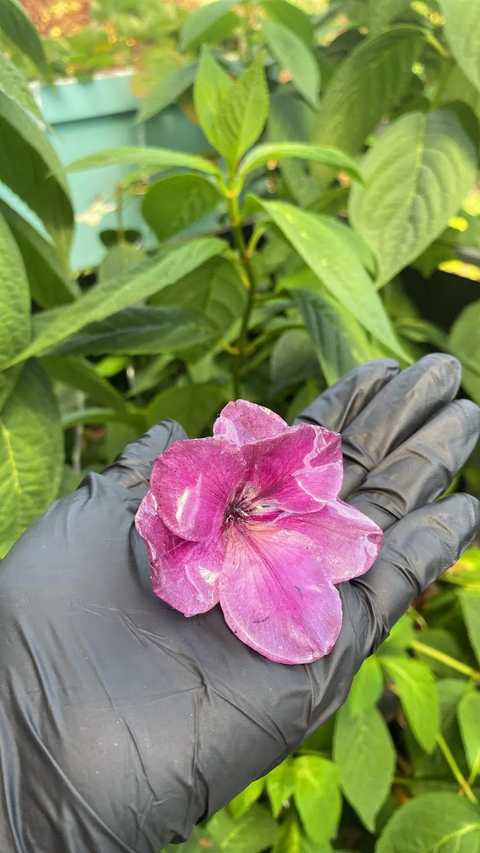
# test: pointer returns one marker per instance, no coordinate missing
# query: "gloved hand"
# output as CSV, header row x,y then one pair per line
x,y
122,723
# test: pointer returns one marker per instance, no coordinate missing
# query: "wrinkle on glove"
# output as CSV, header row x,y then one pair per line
x,y
122,723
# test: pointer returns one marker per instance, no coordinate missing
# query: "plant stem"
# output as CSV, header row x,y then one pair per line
x,y
449,758
403,764
417,646
257,235
244,255
79,430
402,780
438,46
120,220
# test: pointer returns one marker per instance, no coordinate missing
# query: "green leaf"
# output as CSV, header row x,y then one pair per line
x,y
120,259
168,91
150,376
27,160
110,298
421,331
365,87
434,766
442,641
280,784
232,115
198,23
48,285
70,481
160,158
381,12
317,796
416,687
251,833
14,297
356,243
212,85
118,436
293,360
416,177
140,330
364,752
308,846
470,602
466,571
8,380
291,17
431,823
367,687
464,342
462,29
289,837
244,112
16,86
291,119
214,289
193,406
459,88
400,637
17,26
340,342
295,57
468,719
173,204
31,454
243,801
80,374
268,151
335,263
112,365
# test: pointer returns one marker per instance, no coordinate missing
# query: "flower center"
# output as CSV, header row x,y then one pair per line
x,y
236,511
244,504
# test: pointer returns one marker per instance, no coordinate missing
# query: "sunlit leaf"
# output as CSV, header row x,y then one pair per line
x,y
31,454
416,177
364,752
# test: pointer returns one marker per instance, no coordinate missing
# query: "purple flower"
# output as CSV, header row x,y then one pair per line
x,y
250,520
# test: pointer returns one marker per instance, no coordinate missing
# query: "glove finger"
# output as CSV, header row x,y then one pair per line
x,y
339,405
133,466
415,552
396,413
422,468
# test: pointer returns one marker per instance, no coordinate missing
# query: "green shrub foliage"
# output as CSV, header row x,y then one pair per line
x,y
333,219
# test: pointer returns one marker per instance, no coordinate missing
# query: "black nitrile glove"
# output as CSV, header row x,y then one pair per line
x,y
122,723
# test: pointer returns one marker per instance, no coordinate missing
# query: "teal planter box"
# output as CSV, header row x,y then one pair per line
x,y
96,115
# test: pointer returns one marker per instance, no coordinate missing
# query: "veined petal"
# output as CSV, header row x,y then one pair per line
x,y
297,471
184,574
274,597
192,482
244,423
345,540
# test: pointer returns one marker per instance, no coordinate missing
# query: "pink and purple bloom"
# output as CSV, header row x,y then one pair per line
x,y
250,519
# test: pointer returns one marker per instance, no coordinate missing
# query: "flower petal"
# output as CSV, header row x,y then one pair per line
x,y
184,574
346,541
192,482
244,423
274,598
297,471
